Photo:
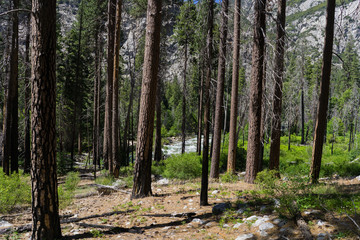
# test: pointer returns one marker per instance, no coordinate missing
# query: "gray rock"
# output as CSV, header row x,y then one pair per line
x,y
280,222
247,236
220,208
263,233
358,178
266,226
225,225
198,220
261,220
163,181
209,224
320,223
252,218
237,225
5,224
263,208
321,236
215,192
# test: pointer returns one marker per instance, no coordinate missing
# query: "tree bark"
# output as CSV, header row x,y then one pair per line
x,y
107,146
45,213
321,119
215,161
27,150
10,131
252,160
115,166
96,118
231,166
205,160
278,76
302,116
200,110
158,153
142,168
183,125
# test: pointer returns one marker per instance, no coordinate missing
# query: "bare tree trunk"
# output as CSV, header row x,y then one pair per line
x,y
107,146
10,142
158,153
252,160
324,94
205,160
27,150
263,114
142,168
289,135
45,212
302,116
200,110
234,91
215,161
96,119
183,134
115,166
278,76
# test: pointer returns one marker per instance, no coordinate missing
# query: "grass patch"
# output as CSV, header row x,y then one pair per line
x,y
15,190
66,192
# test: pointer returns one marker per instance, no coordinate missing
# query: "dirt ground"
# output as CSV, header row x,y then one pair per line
x,y
174,212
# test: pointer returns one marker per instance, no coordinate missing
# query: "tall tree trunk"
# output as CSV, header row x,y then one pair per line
x,y
142,168
115,167
278,76
252,159
27,153
183,125
289,135
200,110
158,153
96,118
234,91
10,142
107,146
205,159
324,93
302,116
45,212
263,115
351,136
214,172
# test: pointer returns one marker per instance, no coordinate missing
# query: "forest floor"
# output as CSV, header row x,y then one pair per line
x,y
174,212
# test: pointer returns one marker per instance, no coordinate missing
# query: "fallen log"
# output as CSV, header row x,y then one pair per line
x,y
27,227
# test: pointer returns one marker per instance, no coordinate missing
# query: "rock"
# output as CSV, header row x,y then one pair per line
x,y
215,192
280,222
237,225
191,200
320,223
358,178
252,218
220,208
240,211
336,176
321,236
209,224
311,212
276,203
263,233
247,236
166,228
119,184
198,220
163,181
285,179
266,226
5,224
263,208
225,225
260,221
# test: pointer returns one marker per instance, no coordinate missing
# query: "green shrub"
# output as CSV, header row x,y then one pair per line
x,y
228,177
66,192
72,181
105,180
185,166
14,190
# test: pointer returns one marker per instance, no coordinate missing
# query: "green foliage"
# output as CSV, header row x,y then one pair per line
x,y
66,192
228,177
14,191
286,192
185,166
105,180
